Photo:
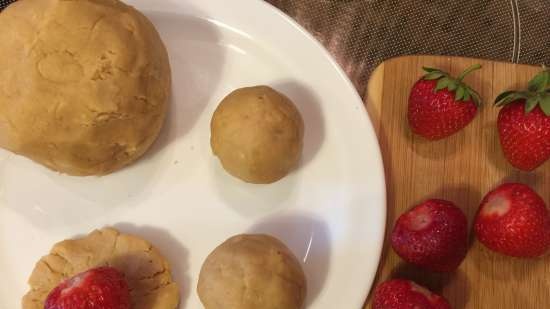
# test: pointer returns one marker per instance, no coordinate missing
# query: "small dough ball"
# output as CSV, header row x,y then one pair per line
x,y
257,133
252,272
84,84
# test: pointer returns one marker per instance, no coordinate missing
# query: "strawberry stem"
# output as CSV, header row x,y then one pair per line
x,y
468,71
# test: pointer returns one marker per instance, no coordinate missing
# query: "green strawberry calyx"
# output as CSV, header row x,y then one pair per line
x,y
537,93
462,91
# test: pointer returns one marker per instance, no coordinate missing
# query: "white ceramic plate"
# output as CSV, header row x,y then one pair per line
x,y
330,211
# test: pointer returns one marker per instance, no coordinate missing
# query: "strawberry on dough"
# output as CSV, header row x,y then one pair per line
x,y
98,288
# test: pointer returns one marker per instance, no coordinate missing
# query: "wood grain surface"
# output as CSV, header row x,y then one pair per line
x,y
462,169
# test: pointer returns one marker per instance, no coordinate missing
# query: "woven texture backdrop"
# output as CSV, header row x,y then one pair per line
x,y
363,33
4,3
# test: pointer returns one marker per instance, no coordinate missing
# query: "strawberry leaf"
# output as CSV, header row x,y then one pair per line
x,y
452,85
503,95
507,100
530,104
514,96
430,70
442,83
467,95
444,80
538,93
539,82
545,105
476,97
433,76
459,93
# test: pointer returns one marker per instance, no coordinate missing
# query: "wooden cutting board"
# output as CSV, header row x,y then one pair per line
x,y
462,169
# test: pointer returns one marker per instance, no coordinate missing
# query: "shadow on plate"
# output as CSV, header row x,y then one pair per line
x,y
308,104
197,60
170,248
251,200
309,239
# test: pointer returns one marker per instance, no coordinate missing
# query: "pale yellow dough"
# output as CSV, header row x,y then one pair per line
x,y
252,272
148,273
83,84
257,133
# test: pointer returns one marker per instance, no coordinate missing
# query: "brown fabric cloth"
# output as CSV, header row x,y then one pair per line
x,y
4,3
363,33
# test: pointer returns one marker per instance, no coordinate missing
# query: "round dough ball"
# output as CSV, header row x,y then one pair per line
x,y
84,84
257,133
252,272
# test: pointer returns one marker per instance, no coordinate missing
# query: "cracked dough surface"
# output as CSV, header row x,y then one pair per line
x,y
147,272
252,272
84,84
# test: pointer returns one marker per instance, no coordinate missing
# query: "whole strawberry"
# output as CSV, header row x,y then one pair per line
x,y
404,294
514,221
440,105
524,123
99,288
432,235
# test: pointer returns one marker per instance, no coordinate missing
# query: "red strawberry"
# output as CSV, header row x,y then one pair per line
x,y
440,105
99,288
514,220
404,294
432,235
524,123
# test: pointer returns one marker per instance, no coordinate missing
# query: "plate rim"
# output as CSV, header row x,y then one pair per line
x,y
366,118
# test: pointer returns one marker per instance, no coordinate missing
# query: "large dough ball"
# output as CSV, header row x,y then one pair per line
x,y
84,84
257,134
252,272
